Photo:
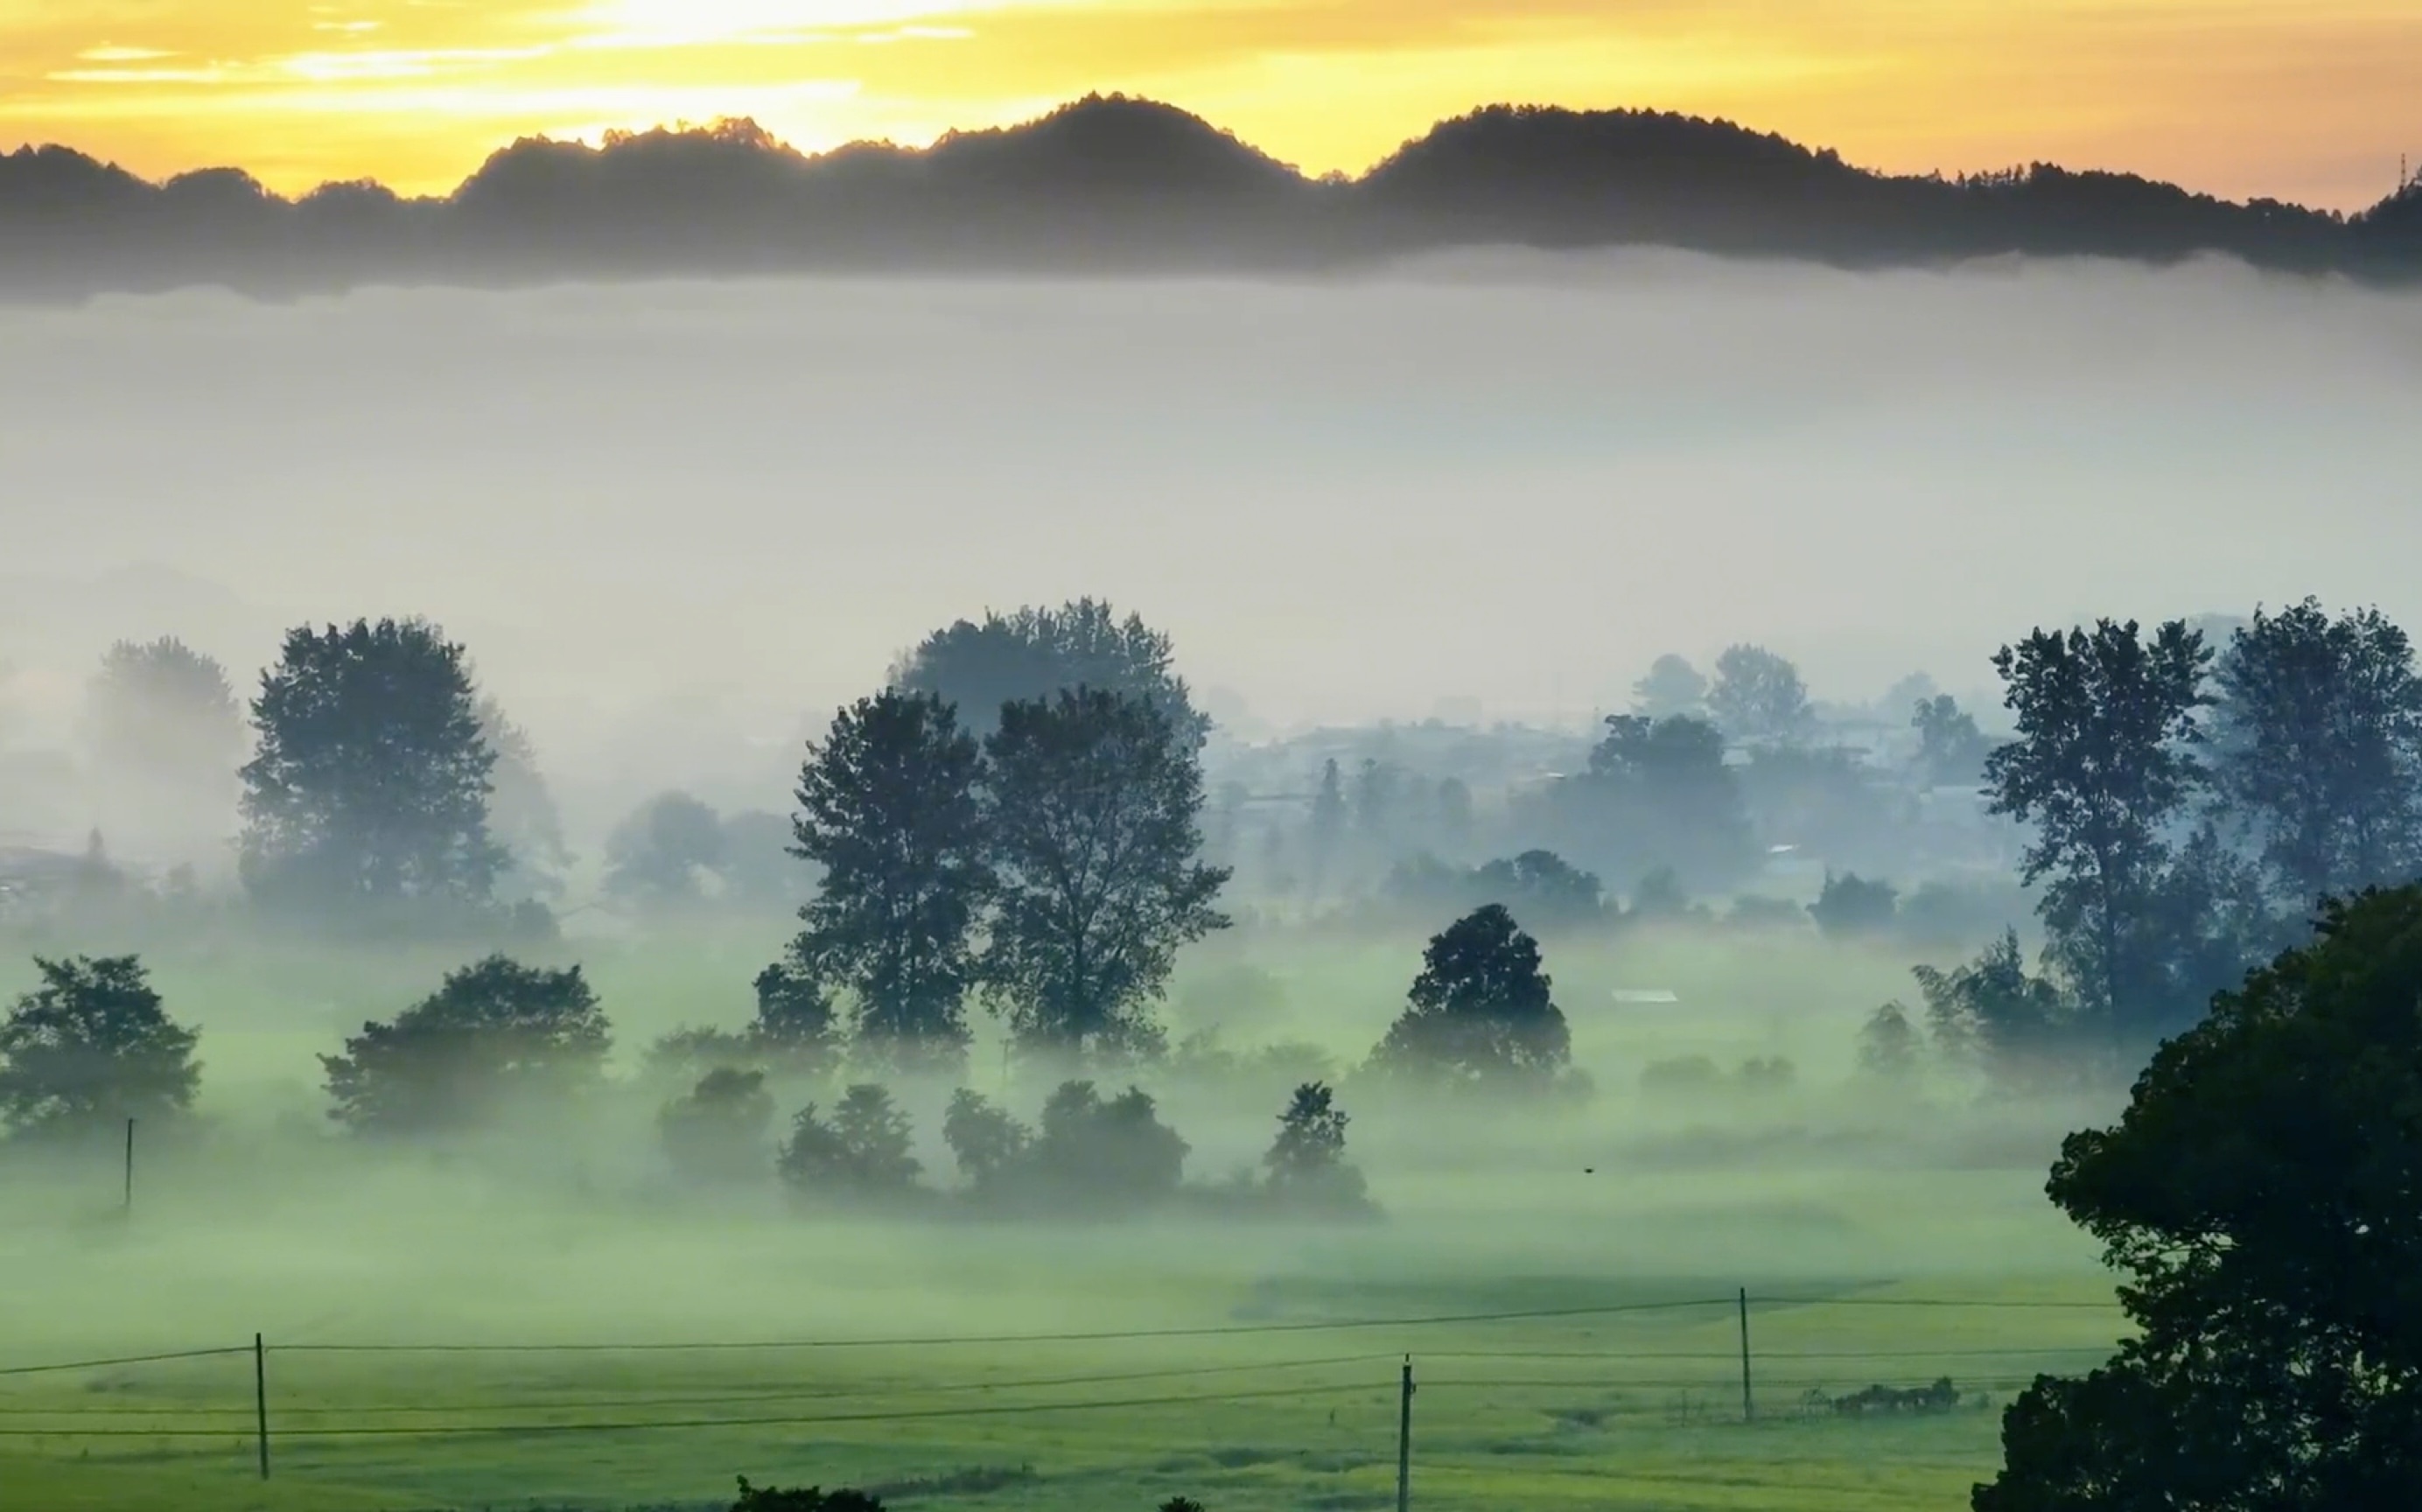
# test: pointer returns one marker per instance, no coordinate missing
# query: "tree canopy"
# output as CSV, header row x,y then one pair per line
x,y
494,1032
662,856
162,709
1092,810
369,786
888,810
2257,1193
1481,1013
1672,686
976,667
1758,696
90,1047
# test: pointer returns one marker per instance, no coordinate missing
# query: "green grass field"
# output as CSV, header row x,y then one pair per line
x,y
1881,1245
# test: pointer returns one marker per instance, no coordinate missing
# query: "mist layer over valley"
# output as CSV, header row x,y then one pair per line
x,y
1412,546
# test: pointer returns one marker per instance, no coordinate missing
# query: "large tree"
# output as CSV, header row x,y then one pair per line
x,y
2258,1195
977,668
493,1034
90,1047
2102,768
1093,807
888,810
1758,696
2317,745
1672,686
371,778
1482,1011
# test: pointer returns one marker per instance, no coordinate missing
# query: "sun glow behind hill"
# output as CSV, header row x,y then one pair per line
x,y
2301,101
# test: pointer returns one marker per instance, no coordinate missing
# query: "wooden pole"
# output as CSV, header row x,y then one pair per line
x,y
1748,1412
260,1399
1405,1440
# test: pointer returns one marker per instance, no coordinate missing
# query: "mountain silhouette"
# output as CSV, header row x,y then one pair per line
x,y
1118,184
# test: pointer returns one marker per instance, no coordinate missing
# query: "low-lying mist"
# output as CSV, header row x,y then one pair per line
x,y
663,516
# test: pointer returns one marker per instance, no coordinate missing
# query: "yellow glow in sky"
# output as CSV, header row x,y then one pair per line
x,y
2306,99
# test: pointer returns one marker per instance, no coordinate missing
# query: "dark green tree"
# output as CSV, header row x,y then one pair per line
x,y
369,786
2102,766
1115,1155
2017,1027
1481,1013
1758,696
1092,810
988,1145
717,1130
1037,654
91,1047
1672,686
662,856
493,1034
1306,1164
2258,1194
796,1027
888,808
812,1498
861,1154
2317,747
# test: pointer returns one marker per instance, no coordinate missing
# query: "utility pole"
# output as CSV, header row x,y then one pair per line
x,y
1747,1414
260,1399
1405,1440
130,1166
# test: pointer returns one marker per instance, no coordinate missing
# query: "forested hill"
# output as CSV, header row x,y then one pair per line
x,y
1120,186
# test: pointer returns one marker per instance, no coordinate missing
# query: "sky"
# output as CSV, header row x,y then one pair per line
x,y
2304,99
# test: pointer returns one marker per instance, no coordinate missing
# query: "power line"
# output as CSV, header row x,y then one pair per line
x,y
472,1430
953,1341
123,1360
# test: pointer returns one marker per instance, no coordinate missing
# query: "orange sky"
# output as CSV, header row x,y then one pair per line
x,y
2308,99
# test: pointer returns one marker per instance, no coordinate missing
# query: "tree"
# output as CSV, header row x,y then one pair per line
x,y
757,869
1993,1012
91,1047
1851,906
1092,810
660,856
1481,1013
1758,696
2317,745
1544,887
1307,1162
491,1033
370,787
521,809
2102,765
1889,1049
985,1142
717,1131
860,1154
1951,750
2257,1195
814,1499
1111,1154
888,808
1656,793
163,718
1672,686
1037,654
795,1025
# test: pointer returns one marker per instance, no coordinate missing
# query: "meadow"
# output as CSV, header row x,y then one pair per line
x,y
550,1322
